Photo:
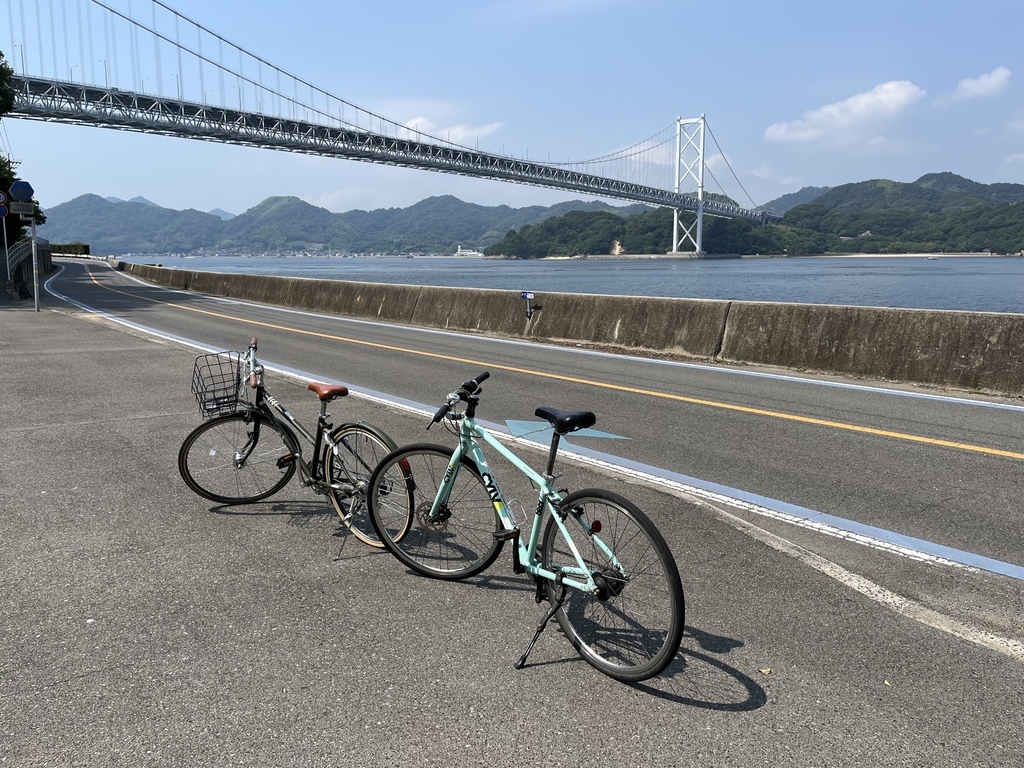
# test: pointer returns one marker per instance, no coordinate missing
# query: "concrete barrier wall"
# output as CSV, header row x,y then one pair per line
x,y
966,350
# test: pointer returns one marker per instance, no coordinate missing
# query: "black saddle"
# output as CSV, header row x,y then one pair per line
x,y
566,421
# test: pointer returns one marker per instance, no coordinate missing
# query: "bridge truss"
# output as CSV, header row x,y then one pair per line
x,y
44,99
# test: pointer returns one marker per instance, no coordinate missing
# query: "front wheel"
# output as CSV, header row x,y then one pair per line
x,y
632,627
353,452
237,459
454,542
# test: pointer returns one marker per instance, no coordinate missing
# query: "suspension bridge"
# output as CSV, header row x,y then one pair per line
x,y
145,67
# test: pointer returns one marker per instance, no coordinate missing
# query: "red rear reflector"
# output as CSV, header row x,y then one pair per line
x,y
595,526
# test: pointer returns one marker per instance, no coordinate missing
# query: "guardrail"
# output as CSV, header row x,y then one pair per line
x,y
965,350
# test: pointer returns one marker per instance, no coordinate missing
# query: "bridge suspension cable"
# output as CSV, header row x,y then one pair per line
x,y
165,73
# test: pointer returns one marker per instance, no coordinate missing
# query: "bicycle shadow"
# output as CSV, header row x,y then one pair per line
x,y
299,509
302,513
351,548
499,583
695,678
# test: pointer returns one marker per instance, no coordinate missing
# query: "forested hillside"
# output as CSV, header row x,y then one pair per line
x,y
937,213
434,225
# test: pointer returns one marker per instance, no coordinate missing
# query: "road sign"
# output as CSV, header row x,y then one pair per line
x,y
22,191
23,208
3,212
3,198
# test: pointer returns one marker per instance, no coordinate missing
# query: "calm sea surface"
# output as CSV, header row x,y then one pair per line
x,y
977,284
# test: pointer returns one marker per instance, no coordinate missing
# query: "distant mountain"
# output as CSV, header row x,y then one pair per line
x,y
126,227
142,200
434,225
938,212
932,193
781,205
221,214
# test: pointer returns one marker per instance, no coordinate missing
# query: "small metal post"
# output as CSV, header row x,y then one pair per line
x,y
528,295
7,250
35,265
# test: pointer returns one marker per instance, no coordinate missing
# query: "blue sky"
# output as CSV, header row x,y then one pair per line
x,y
796,94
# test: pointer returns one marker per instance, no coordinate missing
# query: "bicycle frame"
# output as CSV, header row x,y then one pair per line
x,y
579,576
267,404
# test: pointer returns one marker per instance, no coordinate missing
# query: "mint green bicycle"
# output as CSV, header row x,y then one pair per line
x,y
606,571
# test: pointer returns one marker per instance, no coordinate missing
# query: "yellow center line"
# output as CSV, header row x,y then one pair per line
x,y
599,384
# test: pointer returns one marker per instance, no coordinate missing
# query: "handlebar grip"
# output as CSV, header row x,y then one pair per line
x,y
252,344
441,413
472,385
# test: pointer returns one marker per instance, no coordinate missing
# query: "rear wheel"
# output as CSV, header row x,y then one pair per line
x,y
349,461
237,459
631,628
454,543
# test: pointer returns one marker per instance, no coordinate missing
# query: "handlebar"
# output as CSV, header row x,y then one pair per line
x,y
466,393
254,370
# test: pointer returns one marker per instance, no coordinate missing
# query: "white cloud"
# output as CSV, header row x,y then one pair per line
x,y
1016,158
852,120
466,135
979,87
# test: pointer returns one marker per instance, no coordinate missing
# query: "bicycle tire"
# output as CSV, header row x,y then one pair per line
x,y
458,545
206,460
354,452
632,630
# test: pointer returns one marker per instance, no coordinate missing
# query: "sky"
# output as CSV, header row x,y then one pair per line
x,y
796,94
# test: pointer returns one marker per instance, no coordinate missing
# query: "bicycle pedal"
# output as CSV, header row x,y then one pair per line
x,y
506,534
285,460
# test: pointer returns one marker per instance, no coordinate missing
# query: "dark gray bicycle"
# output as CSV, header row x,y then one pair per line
x,y
244,451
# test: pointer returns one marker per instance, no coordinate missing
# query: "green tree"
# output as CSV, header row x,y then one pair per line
x,y
12,224
6,86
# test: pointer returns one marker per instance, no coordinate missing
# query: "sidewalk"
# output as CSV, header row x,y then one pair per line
x,y
140,626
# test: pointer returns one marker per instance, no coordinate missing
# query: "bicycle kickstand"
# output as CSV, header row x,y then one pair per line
x,y
543,623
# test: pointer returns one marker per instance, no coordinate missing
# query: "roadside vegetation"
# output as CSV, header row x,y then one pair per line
x,y
15,227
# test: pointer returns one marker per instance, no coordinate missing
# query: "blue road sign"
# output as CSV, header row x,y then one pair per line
x,y
22,191
3,212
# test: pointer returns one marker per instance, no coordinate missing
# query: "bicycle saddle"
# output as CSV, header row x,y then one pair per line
x,y
328,391
566,421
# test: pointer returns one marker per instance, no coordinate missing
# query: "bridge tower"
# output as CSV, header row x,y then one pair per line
x,y
689,165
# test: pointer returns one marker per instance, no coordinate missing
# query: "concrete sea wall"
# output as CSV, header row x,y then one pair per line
x,y
964,350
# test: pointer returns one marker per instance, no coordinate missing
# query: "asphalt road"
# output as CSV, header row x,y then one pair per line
x,y
145,627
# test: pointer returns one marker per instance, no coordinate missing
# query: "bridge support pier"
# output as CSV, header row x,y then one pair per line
x,y
689,165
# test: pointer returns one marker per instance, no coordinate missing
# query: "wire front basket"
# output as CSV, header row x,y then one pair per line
x,y
217,383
